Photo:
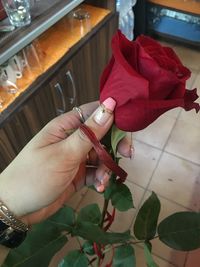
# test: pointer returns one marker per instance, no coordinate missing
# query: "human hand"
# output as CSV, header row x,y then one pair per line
x,y
53,164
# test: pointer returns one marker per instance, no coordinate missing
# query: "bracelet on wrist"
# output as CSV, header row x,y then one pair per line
x,y
12,230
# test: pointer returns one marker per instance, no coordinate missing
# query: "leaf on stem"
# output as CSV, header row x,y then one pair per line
x,y
124,256
74,258
95,234
116,136
41,244
120,196
148,257
88,248
181,231
90,213
147,218
65,217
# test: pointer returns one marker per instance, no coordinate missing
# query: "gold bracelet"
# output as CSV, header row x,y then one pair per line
x,y
9,219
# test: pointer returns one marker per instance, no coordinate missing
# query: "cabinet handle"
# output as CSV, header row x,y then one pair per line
x,y
60,91
73,98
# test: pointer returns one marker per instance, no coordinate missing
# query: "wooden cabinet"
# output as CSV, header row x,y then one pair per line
x,y
74,83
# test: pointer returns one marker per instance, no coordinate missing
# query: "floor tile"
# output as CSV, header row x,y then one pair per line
x,y
196,84
193,259
190,58
190,82
141,167
91,197
174,113
178,180
152,136
140,260
185,141
190,117
76,198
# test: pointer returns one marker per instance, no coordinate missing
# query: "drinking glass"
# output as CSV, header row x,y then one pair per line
x,y
81,19
18,12
1,103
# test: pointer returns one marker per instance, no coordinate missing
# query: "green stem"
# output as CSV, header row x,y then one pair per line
x,y
105,208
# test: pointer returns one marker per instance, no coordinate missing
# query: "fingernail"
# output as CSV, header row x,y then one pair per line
x,y
104,112
132,151
100,188
105,178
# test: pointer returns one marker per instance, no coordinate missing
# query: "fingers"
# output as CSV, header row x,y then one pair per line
x,y
92,173
125,147
78,145
56,130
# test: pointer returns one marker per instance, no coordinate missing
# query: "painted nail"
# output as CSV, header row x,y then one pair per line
x,y
132,152
100,188
104,112
105,178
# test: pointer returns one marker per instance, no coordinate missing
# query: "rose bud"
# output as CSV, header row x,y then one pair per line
x,y
146,80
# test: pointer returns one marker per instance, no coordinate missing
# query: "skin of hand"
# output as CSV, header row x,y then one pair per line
x,y
53,164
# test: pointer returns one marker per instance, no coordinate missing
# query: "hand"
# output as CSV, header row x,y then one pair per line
x,y
53,164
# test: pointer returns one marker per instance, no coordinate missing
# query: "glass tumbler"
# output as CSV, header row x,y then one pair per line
x,y
18,12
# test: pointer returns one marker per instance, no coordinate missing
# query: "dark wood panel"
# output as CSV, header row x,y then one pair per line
x,y
90,61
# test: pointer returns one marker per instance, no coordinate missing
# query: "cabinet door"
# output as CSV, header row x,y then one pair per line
x,y
63,88
90,61
23,125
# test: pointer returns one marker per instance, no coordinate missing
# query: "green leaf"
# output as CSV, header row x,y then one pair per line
x,y
149,259
116,136
147,218
88,248
181,231
41,244
74,259
65,218
124,256
110,189
120,196
94,233
90,213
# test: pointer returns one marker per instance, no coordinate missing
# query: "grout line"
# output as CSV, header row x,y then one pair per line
x,y
179,157
160,257
142,142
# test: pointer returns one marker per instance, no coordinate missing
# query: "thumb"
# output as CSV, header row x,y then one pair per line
x,y
78,145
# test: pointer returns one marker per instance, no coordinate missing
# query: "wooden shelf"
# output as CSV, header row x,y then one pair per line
x,y
52,45
190,6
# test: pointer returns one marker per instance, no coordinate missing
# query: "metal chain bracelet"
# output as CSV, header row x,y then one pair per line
x,y
9,219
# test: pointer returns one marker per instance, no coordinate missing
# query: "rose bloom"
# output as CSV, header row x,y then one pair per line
x,y
146,80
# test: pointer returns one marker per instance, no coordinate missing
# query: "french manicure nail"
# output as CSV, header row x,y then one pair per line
x,y
132,152
105,178
100,188
104,112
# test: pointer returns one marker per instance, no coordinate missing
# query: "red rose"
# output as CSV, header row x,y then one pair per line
x,y
146,80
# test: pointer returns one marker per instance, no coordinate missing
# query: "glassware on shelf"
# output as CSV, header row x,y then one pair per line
x,y
18,12
8,78
80,17
1,103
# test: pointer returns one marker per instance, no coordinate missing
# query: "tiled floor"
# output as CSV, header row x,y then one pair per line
x,y
167,161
